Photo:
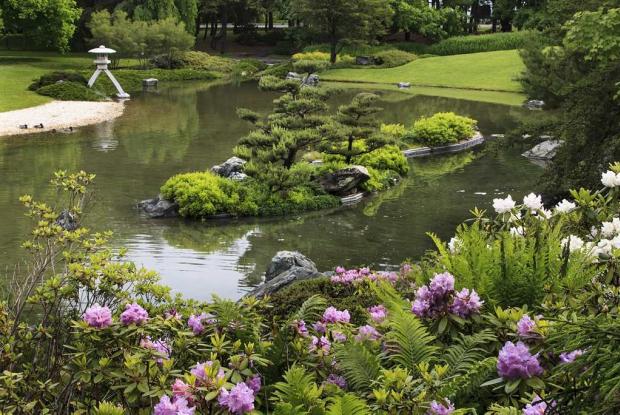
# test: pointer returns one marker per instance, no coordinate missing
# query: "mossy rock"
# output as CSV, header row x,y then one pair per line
x,y
70,91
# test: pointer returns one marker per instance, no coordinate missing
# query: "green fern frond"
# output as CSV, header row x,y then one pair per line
x,y
311,309
497,409
468,351
468,383
348,404
288,409
409,343
298,389
359,365
107,408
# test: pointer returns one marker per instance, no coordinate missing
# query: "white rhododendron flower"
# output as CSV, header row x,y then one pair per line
x,y
604,247
503,205
609,229
610,179
455,245
565,206
533,202
517,231
573,242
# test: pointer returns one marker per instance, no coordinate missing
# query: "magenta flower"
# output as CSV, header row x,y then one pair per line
x,y
332,315
340,270
337,380
526,326
254,383
134,314
466,303
239,400
516,362
570,356
442,284
338,336
367,333
405,268
537,407
378,313
195,323
98,317
200,371
321,344
160,346
424,299
300,328
181,389
320,327
173,315
437,408
178,406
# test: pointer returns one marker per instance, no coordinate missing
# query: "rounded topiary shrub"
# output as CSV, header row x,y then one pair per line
x,y
70,91
58,76
393,57
441,129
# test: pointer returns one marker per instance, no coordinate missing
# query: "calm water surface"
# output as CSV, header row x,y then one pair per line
x,y
192,127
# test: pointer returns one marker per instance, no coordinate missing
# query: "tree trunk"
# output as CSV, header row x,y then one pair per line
x,y
224,30
506,25
198,21
290,158
407,36
349,150
494,25
291,23
270,20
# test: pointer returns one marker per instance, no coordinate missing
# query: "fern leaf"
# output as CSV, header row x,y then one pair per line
x,y
408,342
359,365
298,389
468,351
468,383
348,404
311,309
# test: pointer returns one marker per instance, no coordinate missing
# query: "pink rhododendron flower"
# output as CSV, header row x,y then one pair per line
x,y
337,380
378,313
570,356
300,328
239,400
134,314
160,346
201,374
98,317
321,344
320,327
437,408
526,326
182,389
537,407
254,383
332,315
178,406
442,284
466,303
516,362
195,323
338,336
367,333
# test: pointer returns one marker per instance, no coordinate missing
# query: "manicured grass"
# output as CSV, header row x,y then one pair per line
x,y
487,71
19,69
493,97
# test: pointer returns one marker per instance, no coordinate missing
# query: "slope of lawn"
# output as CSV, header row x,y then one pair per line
x,y
487,71
19,69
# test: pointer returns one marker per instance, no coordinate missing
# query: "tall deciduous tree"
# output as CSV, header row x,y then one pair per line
x,y
47,23
340,20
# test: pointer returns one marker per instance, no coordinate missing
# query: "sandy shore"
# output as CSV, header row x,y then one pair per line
x,y
58,115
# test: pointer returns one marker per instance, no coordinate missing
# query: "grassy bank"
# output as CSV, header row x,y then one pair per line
x,y
488,71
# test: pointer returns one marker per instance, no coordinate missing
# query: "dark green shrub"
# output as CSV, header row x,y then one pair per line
x,y
194,60
392,58
278,70
344,297
249,66
441,129
70,91
480,43
54,77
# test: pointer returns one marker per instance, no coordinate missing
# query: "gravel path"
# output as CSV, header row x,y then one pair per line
x,y
58,115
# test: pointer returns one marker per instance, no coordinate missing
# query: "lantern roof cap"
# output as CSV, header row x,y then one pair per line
x,y
102,50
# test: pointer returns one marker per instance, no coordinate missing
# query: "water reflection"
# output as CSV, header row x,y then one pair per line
x,y
191,127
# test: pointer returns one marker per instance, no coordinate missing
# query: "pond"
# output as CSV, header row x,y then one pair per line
x,y
194,126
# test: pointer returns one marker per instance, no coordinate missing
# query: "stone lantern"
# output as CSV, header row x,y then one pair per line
x,y
102,63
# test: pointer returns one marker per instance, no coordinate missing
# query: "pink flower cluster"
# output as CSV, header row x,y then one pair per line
x,y
378,313
344,276
516,362
239,400
367,333
537,407
438,297
569,357
176,406
195,322
134,314
333,315
300,328
320,344
437,408
337,380
160,346
98,317
526,326
200,371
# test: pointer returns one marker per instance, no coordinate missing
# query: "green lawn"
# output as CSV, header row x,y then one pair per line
x,y
487,71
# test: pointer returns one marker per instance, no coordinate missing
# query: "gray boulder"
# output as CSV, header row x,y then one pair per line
x,y
286,268
345,181
67,220
238,176
159,207
294,76
229,167
534,104
544,151
364,60
312,80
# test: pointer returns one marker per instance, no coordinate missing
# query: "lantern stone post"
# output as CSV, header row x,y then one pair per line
x,y
102,63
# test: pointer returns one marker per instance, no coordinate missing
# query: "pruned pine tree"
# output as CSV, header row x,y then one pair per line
x,y
354,130
294,125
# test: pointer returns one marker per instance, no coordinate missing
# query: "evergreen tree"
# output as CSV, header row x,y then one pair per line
x,y
353,131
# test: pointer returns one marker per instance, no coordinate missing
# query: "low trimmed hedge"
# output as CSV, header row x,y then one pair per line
x,y
57,76
441,129
393,58
70,91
